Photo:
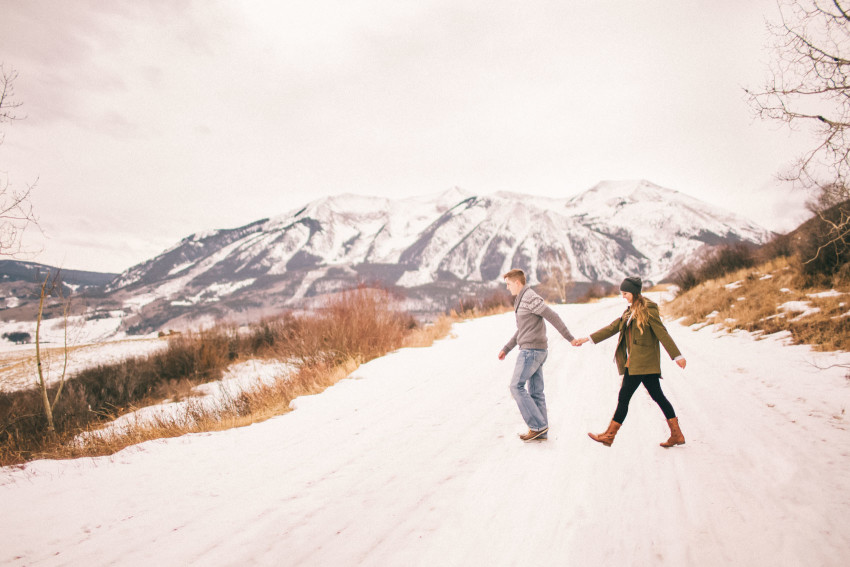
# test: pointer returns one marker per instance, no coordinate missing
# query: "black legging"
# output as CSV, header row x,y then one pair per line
x,y
652,382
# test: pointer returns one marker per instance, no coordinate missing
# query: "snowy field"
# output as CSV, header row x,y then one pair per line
x,y
18,368
415,460
91,342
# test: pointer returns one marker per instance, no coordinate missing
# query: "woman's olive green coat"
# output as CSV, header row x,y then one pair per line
x,y
645,353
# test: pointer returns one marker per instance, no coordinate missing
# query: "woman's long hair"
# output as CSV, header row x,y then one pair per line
x,y
639,312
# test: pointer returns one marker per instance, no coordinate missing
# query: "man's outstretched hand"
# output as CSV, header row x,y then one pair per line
x,y
502,355
579,342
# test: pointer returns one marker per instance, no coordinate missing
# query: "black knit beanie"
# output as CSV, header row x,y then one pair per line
x,y
631,284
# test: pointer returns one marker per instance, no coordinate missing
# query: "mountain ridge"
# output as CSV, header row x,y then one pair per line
x,y
431,249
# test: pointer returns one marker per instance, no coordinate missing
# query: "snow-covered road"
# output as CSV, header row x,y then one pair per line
x,y
415,461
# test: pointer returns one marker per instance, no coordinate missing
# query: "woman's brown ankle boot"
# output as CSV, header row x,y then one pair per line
x,y
676,437
608,437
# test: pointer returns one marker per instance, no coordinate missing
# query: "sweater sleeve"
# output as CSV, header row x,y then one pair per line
x,y
534,302
550,315
511,344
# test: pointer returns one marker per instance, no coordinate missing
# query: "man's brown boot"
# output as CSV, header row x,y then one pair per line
x,y
608,437
532,434
676,437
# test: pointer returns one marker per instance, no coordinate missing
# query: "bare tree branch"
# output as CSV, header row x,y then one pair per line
x,y
809,87
841,10
16,212
7,93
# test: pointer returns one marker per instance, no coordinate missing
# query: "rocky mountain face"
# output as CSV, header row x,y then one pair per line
x,y
432,250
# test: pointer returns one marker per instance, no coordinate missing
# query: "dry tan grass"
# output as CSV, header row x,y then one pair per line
x,y
752,299
256,405
265,401
424,336
475,312
175,390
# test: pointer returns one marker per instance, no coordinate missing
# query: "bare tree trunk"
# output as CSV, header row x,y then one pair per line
x,y
65,310
48,409
47,288
557,284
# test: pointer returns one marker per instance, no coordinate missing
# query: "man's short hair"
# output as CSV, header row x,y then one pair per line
x,y
515,274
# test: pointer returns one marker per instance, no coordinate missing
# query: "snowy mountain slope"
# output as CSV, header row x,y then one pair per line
x,y
387,469
348,229
670,225
452,244
611,229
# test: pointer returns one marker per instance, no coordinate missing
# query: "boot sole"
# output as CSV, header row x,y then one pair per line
x,y
598,440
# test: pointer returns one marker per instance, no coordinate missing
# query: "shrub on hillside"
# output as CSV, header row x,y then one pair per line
x,y
823,246
493,302
686,278
18,337
269,333
724,260
358,324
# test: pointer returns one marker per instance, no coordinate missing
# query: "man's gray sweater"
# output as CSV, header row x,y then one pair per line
x,y
530,311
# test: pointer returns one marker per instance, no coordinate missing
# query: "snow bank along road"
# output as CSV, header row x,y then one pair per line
x,y
415,460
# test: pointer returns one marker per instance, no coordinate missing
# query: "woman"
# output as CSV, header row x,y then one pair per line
x,y
638,359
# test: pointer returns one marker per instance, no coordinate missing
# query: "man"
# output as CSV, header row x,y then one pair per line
x,y
531,337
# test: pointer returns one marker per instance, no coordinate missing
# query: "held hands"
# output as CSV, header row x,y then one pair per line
x,y
579,342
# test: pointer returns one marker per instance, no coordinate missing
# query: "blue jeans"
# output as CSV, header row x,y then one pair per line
x,y
531,402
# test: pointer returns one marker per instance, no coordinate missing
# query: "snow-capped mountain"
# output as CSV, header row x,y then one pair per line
x,y
446,242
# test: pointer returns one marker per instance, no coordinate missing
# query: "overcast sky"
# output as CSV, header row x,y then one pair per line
x,y
147,121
